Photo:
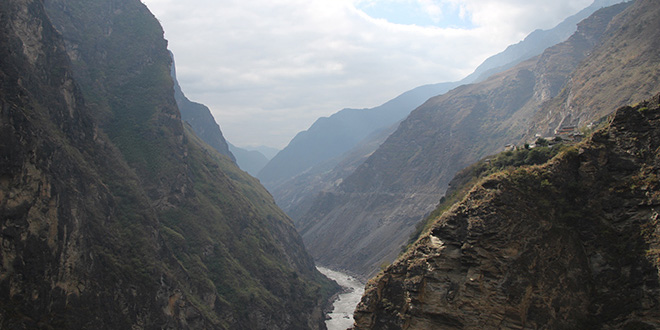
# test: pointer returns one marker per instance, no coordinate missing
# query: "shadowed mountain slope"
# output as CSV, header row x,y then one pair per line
x,y
113,214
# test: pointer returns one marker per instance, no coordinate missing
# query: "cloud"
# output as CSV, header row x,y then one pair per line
x,y
519,16
268,69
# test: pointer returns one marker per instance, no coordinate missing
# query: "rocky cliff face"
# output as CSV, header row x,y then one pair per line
x,y
64,197
119,60
572,244
368,217
620,71
113,214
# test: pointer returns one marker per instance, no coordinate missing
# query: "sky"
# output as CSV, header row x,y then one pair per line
x,y
268,69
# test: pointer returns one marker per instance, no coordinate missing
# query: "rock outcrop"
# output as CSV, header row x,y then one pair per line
x,y
620,71
571,244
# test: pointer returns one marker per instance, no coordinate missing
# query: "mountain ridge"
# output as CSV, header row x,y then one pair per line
x,y
295,194
330,137
406,176
571,243
535,43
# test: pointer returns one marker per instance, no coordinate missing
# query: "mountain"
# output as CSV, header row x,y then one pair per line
x,y
113,214
269,152
296,195
364,221
570,244
621,71
323,171
332,136
251,161
535,43
200,118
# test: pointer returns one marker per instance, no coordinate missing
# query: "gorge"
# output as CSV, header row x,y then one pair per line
x,y
363,220
122,205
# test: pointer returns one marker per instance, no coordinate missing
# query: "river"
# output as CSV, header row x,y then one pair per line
x,y
341,317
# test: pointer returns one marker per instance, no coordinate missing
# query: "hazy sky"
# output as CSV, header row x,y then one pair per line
x,y
268,69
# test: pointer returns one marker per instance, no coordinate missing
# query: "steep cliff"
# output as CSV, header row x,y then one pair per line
x,y
64,226
571,244
113,214
621,71
366,219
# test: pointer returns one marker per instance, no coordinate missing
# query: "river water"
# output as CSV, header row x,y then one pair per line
x,y
341,317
